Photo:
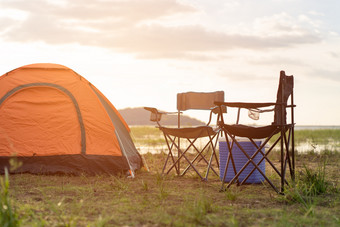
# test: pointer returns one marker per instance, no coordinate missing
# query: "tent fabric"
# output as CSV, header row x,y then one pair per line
x,y
54,120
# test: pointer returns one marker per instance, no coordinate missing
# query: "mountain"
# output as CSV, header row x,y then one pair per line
x,y
140,116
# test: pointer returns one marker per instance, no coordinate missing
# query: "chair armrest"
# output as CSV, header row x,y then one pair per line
x,y
156,115
151,109
246,105
155,111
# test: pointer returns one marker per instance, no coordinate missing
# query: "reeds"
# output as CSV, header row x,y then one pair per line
x,y
309,184
8,214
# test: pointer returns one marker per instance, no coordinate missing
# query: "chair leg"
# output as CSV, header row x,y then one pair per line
x,y
247,163
289,141
212,155
230,158
169,154
216,159
182,154
225,172
171,144
198,155
282,161
286,155
264,157
293,153
202,157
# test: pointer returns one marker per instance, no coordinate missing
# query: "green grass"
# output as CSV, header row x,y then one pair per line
x,y
152,199
317,136
310,184
152,136
8,215
147,135
145,131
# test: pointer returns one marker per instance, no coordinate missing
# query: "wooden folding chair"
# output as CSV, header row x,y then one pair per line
x,y
279,126
182,142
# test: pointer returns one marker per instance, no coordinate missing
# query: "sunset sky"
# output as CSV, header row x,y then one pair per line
x,y
143,52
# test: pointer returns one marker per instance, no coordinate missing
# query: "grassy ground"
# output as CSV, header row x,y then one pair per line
x,y
155,200
316,140
153,136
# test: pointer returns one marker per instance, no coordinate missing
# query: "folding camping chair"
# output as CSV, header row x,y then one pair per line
x,y
285,131
176,137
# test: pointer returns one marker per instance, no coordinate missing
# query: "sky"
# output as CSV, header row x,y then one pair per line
x,y
144,52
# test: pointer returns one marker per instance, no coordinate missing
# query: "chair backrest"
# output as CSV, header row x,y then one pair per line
x,y
198,100
285,90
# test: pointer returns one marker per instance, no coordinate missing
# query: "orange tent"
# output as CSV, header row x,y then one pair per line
x,y
55,121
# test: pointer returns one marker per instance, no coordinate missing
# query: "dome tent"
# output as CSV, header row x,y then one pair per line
x,y
54,121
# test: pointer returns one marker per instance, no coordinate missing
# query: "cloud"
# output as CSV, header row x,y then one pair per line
x,y
276,60
334,54
4,22
285,24
160,39
82,11
331,75
246,77
133,26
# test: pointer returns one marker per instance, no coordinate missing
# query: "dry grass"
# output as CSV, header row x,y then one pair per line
x,y
155,200
152,199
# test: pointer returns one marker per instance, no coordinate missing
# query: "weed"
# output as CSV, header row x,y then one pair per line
x,y
200,208
337,219
8,215
163,192
62,218
119,185
101,222
234,221
14,163
314,182
159,178
145,186
308,185
230,194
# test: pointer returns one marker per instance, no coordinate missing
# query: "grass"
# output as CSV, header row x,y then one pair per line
x,y
309,185
152,199
147,135
8,215
317,136
155,200
151,136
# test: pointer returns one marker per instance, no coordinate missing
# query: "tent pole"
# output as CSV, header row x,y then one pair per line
x,y
128,161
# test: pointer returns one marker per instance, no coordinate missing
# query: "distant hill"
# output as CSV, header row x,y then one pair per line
x,y
140,116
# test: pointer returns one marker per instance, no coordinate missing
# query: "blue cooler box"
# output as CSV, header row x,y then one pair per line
x,y
240,159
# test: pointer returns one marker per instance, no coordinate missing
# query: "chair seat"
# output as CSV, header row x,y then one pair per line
x,y
252,132
191,133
